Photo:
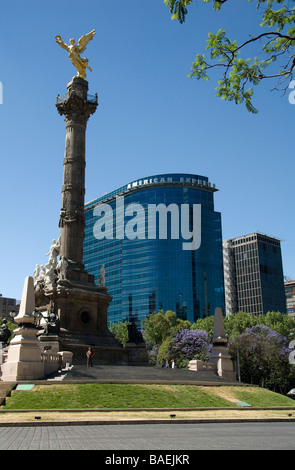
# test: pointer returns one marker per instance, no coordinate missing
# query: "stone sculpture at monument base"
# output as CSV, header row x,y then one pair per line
x,y
24,355
26,359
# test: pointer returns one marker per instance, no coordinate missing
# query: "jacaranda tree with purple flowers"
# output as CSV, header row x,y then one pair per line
x,y
159,329
190,344
263,355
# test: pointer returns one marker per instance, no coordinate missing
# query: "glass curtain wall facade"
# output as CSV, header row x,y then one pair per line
x,y
147,268
256,284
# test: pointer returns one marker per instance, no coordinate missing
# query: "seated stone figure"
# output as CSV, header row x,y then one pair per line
x,y
5,332
52,326
134,335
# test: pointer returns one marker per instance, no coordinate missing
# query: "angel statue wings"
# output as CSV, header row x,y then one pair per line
x,y
80,63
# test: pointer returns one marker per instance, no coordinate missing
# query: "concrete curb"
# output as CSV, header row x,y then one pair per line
x,y
145,421
168,410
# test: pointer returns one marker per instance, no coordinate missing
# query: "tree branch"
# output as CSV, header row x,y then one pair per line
x,y
271,33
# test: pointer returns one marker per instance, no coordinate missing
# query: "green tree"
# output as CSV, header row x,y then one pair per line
x,y
120,331
185,345
159,329
281,323
274,51
204,324
264,356
158,326
236,324
164,351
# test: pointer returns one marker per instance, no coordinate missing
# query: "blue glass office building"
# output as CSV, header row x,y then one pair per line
x,y
160,242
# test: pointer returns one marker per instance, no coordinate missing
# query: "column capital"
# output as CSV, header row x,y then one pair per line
x,y
77,105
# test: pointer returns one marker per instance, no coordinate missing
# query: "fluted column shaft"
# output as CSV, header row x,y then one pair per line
x,y
76,107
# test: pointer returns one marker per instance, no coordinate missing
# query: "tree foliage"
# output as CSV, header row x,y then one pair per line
x,y
187,344
236,324
158,326
263,356
120,331
274,46
178,9
205,324
283,324
190,344
262,343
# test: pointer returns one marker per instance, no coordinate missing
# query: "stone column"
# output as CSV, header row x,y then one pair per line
x,y
80,304
77,107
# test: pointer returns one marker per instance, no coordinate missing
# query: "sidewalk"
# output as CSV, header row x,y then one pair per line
x,y
120,417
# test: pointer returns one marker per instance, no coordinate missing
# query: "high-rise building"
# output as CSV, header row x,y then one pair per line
x,y
253,275
159,242
290,297
8,305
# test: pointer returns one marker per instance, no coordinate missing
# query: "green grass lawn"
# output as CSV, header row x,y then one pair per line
x,y
86,396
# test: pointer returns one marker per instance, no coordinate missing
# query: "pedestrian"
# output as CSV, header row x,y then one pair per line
x,y
90,355
173,364
167,364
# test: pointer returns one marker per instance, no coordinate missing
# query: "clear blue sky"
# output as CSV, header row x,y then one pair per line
x,y
151,119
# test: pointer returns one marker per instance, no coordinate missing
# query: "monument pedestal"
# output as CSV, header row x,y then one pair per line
x,y
137,354
23,360
219,354
24,357
224,365
51,342
82,311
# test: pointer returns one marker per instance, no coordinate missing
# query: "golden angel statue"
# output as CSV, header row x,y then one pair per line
x,y
80,63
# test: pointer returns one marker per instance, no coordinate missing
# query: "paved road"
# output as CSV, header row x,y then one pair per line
x,y
211,436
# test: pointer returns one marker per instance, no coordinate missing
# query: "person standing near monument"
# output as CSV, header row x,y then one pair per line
x,y
90,355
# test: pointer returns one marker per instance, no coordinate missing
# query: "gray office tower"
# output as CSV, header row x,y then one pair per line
x,y
253,275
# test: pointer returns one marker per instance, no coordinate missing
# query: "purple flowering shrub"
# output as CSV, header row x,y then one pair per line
x,y
263,355
190,344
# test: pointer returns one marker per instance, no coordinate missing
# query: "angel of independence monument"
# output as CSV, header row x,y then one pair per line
x,y
64,286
